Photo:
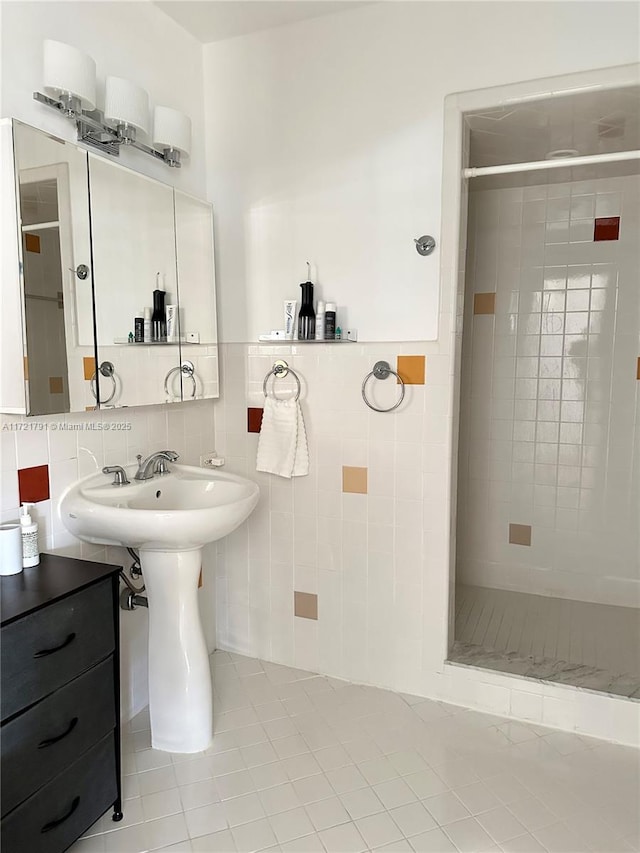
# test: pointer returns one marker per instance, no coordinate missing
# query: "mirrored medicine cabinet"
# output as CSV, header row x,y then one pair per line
x,y
85,242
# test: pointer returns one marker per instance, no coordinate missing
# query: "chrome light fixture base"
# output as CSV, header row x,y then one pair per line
x,y
92,130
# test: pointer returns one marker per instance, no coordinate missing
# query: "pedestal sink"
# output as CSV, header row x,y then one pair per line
x,y
168,518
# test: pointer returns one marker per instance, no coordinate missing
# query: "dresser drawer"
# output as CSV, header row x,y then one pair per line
x,y
52,819
41,742
44,650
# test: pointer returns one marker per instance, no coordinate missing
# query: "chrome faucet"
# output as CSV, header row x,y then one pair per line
x,y
154,464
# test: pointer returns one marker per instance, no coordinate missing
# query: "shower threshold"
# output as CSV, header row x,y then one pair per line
x,y
547,669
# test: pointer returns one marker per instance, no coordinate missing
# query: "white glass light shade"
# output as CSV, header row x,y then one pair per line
x,y
171,129
126,103
68,70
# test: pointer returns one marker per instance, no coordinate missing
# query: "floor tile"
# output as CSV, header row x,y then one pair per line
x,y
468,836
198,794
243,809
433,841
280,798
205,820
324,767
161,804
361,803
217,842
413,819
343,839
253,836
445,808
291,824
394,793
378,829
327,813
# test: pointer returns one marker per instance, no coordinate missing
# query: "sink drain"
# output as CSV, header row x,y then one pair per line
x,y
158,493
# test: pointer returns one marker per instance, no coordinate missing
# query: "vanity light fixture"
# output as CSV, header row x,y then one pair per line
x,y
70,76
70,87
171,133
127,107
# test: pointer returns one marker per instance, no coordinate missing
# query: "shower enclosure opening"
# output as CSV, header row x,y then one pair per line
x,y
547,581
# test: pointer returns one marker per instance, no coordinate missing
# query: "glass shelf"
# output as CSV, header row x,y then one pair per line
x,y
124,342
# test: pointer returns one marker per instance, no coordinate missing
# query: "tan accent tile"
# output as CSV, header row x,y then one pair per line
x,y
90,408
32,243
484,303
200,579
56,385
25,367
412,369
638,369
520,534
354,480
89,366
305,605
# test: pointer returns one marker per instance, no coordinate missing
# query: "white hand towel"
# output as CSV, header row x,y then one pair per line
x,y
282,445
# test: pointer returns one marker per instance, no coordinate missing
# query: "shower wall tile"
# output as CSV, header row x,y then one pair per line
x,y
550,393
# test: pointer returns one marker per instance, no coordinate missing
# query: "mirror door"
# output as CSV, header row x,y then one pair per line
x,y
134,254
197,297
57,305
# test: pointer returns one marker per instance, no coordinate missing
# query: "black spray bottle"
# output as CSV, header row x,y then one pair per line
x,y
159,316
306,315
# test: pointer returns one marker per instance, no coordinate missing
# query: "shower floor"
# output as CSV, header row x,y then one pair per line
x,y
595,646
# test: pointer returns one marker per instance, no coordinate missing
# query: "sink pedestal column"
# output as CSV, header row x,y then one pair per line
x,y
180,696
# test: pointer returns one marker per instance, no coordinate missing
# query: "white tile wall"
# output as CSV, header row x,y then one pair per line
x,y
550,396
364,555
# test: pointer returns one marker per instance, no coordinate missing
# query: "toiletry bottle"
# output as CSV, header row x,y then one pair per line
x,y
138,325
320,321
147,325
130,338
172,323
30,552
330,322
159,317
338,333
307,316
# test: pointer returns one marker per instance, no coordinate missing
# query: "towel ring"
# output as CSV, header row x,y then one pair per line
x,y
279,371
187,369
105,369
382,370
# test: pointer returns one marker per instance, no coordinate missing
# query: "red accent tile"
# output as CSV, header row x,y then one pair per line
x,y
254,420
607,228
33,484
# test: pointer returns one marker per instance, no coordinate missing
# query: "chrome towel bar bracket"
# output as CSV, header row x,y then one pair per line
x,y
105,369
279,370
382,370
186,369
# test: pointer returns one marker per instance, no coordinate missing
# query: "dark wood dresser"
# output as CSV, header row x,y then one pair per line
x,y
59,702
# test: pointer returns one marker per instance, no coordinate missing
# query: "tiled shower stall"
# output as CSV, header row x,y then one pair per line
x,y
548,479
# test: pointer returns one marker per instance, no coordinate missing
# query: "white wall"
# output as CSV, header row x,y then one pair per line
x,y
134,40
549,437
138,41
367,102
324,143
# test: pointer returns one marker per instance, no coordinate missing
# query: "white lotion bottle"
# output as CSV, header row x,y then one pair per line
x,y
320,320
29,529
147,326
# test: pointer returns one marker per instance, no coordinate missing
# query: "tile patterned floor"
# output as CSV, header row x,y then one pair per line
x,y
595,646
303,763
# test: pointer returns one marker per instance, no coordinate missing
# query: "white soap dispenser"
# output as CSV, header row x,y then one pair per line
x,y
30,550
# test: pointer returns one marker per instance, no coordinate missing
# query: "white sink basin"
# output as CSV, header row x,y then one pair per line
x,y
168,519
179,511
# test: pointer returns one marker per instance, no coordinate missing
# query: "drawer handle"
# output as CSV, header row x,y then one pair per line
x,y
50,741
45,652
53,823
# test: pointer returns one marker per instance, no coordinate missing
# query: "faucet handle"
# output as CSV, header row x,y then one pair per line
x,y
120,475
